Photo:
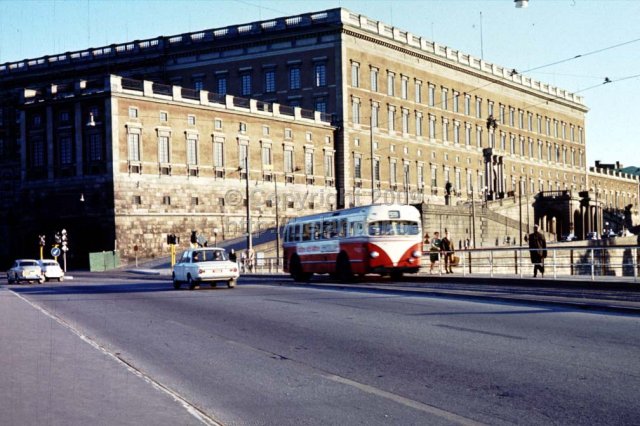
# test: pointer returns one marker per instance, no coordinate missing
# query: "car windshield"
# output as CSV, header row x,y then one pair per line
x,y
29,263
393,227
209,255
49,263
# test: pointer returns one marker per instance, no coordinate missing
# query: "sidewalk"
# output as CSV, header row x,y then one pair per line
x,y
51,374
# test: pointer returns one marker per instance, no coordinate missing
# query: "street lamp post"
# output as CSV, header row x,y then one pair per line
x,y
372,161
406,182
249,239
275,189
473,218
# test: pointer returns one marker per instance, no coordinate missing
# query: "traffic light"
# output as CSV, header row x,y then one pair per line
x,y
171,239
57,238
41,240
64,239
194,237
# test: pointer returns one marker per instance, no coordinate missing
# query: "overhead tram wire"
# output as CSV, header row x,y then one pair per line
x,y
593,52
607,80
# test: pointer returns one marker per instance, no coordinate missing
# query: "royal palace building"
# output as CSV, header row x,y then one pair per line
x,y
329,108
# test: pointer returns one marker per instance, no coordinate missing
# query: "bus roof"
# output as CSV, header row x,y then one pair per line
x,y
372,211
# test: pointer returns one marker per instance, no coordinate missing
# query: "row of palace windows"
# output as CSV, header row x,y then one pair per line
x,y
134,149
218,125
166,200
163,116
267,82
446,173
464,133
65,150
462,103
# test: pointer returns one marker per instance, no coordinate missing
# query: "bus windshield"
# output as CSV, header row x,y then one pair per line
x,y
393,227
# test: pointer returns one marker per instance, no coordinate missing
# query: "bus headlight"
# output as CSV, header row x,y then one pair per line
x,y
416,253
374,254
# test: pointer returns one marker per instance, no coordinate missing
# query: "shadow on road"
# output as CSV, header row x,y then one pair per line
x,y
144,287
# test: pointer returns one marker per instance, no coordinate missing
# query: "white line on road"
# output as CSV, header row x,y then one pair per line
x,y
447,415
191,409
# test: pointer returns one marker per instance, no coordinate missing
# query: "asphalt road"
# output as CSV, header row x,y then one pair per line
x,y
271,354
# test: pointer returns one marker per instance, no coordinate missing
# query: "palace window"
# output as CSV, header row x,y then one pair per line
x,y
192,151
218,153
374,79
355,74
320,71
134,146
246,84
163,149
269,81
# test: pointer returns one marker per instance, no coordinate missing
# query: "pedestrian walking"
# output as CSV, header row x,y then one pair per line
x,y
434,250
446,247
538,250
243,261
250,259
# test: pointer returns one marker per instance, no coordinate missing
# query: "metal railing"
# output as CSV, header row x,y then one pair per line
x,y
576,262
592,263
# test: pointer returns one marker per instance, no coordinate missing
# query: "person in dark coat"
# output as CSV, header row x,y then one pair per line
x,y
447,252
538,252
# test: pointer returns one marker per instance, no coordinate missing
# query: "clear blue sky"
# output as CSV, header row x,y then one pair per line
x,y
546,32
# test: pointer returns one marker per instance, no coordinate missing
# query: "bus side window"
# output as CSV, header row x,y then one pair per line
x,y
358,228
317,232
296,232
286,234
342,228
374,228
330,229
306,232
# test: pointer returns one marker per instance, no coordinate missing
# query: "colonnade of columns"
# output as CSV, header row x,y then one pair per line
x,y
494,172
577,217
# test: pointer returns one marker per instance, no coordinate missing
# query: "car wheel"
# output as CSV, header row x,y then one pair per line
x,y
214,284
190,283
176,283
9,279
343,268
231,283
60,279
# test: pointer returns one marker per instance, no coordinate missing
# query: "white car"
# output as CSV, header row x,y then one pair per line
x,y
51,270
25,270
198,265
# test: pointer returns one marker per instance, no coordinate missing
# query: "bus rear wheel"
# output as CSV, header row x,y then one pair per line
x,y
297,273
343,269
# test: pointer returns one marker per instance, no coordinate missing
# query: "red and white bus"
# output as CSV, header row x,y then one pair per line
x,y
381,239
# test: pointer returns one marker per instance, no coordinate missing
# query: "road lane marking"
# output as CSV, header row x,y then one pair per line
x,y
196,412
283,301
430,409
426,408
487,333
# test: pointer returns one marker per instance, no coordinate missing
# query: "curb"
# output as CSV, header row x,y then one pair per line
x,y
584,306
